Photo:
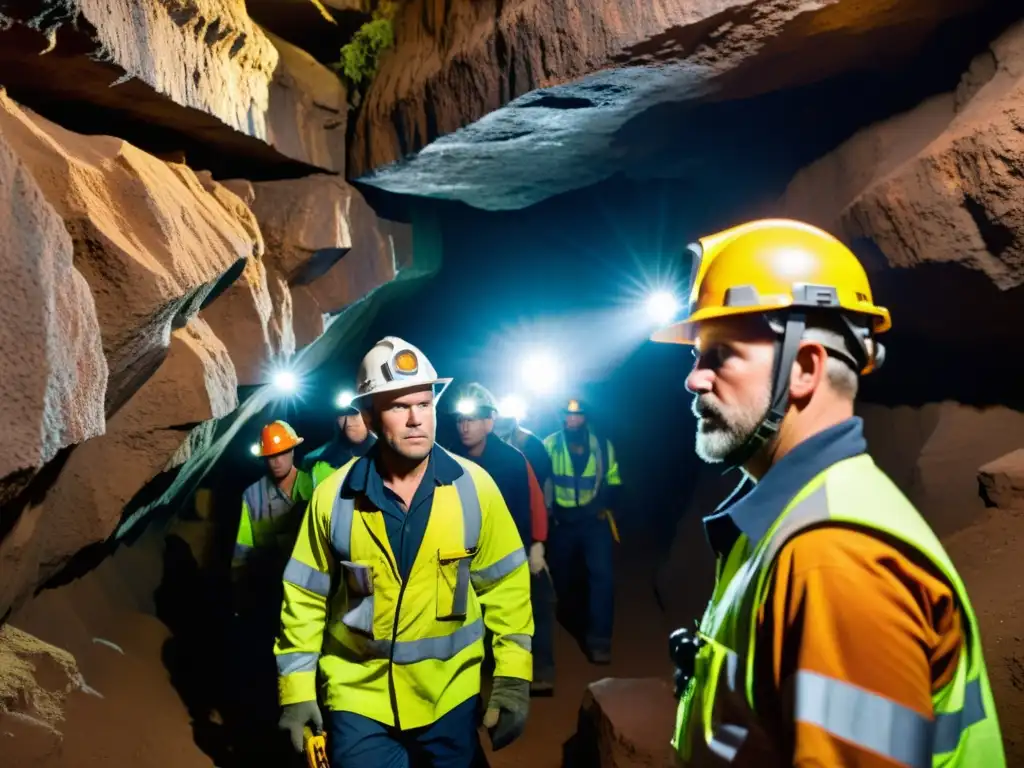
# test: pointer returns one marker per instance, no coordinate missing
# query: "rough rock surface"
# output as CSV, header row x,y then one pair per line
x,y
194,384
937,184
54,373
152,244
458,84
1002,480
325,248
320,232
35,679
630,722
202,71
933,453
241,319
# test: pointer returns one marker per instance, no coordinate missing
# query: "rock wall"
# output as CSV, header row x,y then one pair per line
x,y
938,184
104,690
325,249
502,104
199,76
142,290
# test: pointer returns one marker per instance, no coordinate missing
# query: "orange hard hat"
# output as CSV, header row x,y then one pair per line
x,y
277,437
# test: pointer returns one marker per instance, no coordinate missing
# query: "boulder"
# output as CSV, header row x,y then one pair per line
x,y
627,723
213,81
85,501
153,245
54,373
507,103
1002,481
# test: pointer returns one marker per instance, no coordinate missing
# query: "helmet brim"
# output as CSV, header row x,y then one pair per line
x,y
291,447
398,386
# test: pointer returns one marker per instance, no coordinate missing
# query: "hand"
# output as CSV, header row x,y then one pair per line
x,y
294,717
507,709
537,562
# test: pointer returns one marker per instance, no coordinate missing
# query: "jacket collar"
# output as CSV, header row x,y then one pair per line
x,y
364,473
752,510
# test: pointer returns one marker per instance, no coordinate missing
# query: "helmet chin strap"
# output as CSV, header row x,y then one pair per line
x,y
786,346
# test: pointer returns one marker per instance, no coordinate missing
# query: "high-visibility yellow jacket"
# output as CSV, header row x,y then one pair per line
x,y
602,469
403,652
269,518
717,723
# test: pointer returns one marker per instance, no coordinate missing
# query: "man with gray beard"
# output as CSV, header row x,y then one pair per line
x,y
839,632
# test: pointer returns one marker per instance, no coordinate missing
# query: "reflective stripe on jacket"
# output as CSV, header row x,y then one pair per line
x,y
404,653
269,518
602,468
716,720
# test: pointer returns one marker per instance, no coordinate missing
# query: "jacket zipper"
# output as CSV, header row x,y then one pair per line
x,y
394,627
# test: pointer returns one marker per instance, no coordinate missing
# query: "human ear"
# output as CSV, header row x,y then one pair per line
x,y
808,370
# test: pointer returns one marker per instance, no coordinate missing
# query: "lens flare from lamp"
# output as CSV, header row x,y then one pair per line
x,y
662,307
541,373
512,407
344,400
465,407
254,449
285,382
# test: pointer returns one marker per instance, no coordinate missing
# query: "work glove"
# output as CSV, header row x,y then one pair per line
x,y
537,562
507,708
294,717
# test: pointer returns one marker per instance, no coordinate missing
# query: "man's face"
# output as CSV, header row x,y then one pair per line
x,y
731,382
575,421
354,427
472,432
407,421
280,465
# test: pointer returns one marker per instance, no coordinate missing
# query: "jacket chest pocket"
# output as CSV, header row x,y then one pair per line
x,y
453,583
358,580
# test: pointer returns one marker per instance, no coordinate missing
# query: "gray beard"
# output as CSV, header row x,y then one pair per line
x,y
720,432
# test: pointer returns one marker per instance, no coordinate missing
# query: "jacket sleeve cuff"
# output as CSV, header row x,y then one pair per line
x,y
296,687
510,660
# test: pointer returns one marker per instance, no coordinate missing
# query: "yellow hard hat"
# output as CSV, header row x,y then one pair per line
x,y
770,265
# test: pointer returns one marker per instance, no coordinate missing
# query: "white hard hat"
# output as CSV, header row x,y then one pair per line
x,y
475,401
394,364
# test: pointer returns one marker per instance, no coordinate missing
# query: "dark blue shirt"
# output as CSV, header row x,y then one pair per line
x,y
405,528
753,511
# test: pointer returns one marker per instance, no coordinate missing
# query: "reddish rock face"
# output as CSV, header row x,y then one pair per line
x,y
84,502
325,249
151,243
461,83
631,721
937,184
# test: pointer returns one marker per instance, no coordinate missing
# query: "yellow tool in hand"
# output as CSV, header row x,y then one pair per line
x,y
316,749
607,514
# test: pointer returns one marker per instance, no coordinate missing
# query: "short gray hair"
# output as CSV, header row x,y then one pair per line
x,y
840,374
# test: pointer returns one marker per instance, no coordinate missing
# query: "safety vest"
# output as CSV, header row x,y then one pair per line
x,y
579,491
403,653
269,518
965,731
